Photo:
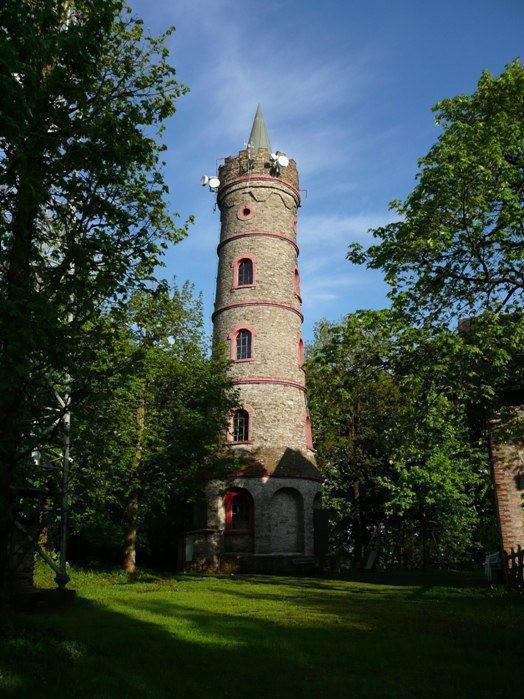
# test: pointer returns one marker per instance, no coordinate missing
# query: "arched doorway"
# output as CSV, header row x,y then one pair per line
x,y
239,518
287,521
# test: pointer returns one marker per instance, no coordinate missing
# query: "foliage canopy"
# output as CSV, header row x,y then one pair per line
x,y
458,246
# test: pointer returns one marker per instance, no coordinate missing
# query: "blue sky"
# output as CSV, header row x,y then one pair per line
x,y
346,88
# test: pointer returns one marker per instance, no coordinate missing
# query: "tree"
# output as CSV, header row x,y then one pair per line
x,y
149,437
83,96
458,246
439,479
457,252
403,455
354,401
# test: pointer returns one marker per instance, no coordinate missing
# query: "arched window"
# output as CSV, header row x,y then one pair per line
x,y
245,272
241,426
238,506
300,357
309,436
244,344
296,283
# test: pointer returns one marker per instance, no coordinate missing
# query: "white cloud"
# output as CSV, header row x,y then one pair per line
x,y
326,274
300,90
328,287
235,55
319,229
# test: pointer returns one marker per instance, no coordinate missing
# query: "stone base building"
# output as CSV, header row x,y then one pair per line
x,y
507,459
267,515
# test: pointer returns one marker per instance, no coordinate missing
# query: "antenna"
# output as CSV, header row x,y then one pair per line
x,y
212,182
279,160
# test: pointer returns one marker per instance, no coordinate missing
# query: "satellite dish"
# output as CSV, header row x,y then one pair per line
x,y
204,180
283,160
214,182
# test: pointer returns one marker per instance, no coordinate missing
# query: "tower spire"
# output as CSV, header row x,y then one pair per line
x,y
259,137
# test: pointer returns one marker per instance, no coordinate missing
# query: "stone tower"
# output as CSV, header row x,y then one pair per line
x,y
262,517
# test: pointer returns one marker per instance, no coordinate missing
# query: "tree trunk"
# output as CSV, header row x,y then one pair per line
x,y
17,340
425,538
357,523
43,514
358,533
130,524
131,509
401,556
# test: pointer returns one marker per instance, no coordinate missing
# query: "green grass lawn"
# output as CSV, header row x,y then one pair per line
x,y
181,636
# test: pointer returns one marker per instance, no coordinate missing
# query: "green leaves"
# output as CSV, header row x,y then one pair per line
x,y
399,414
86,217
151,352
459,246
80,184
455,254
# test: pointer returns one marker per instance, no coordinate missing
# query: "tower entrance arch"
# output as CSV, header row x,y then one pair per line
x,y
287,521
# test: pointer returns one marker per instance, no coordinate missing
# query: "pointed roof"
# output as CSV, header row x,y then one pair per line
x,y
259,137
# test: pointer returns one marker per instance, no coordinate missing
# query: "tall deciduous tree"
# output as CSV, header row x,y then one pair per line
x,y
354,402
405,463
439,479
457,251
458,246
83,96
149,437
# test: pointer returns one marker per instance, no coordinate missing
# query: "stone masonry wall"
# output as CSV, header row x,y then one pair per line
x,y
274,208
279,414
237,166
259,218
258,208
263,491
507,455
275,265
275,345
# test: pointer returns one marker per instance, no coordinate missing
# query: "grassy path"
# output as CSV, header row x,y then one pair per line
x,y
265,637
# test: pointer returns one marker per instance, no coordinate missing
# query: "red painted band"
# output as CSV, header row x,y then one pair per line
x,y
240,475
266,234
263,379
258,178
276,304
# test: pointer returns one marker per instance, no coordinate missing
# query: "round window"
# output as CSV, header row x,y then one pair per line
x,y
245,212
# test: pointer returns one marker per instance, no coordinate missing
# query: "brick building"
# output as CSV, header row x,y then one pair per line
x,y
267,515
507,458
506,441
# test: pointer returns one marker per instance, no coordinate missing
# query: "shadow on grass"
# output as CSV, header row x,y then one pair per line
x,y
255,644
402,578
